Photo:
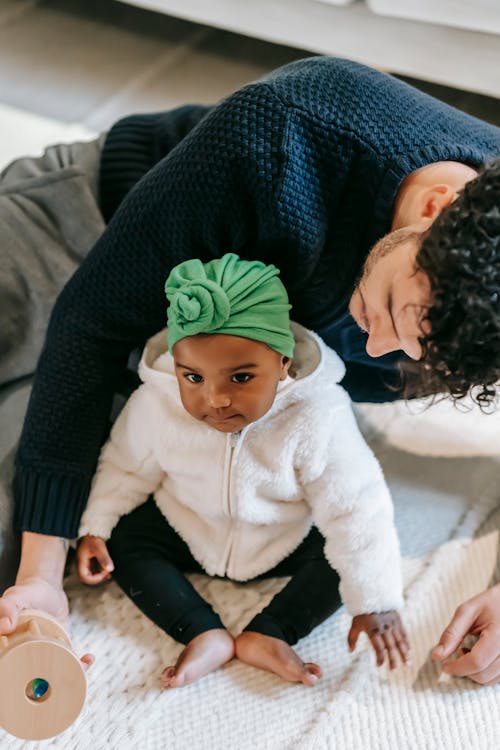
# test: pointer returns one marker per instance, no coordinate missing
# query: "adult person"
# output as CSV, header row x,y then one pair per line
x,y
374,201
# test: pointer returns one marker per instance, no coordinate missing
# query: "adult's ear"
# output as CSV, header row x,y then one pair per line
x,y
433,199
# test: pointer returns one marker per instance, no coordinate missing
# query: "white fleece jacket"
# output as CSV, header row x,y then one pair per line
x,y
244,501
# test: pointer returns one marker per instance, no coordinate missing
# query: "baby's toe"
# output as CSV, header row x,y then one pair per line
x,y
311,674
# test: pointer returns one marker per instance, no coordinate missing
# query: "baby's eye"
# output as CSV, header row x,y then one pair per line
x,y
241,377
193,377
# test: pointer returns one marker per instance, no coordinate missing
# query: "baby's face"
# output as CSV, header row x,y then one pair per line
x,y
227,381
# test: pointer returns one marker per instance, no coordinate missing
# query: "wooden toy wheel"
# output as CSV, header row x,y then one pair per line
x,y
43,683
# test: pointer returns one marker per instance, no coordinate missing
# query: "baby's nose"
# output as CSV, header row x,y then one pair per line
x,y
219,399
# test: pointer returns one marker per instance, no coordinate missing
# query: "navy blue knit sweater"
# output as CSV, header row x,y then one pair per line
x,y
300,169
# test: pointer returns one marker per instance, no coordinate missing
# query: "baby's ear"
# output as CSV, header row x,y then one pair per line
x,y
285,366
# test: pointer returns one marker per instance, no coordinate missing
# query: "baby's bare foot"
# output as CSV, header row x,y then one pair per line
x,y
276,656
202,655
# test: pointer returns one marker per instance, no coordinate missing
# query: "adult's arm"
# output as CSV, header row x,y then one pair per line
x,y
211,194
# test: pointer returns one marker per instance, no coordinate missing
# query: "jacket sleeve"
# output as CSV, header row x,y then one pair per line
x,y
128,470
352,507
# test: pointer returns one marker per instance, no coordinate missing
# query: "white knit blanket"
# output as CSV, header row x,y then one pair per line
x,y
448,516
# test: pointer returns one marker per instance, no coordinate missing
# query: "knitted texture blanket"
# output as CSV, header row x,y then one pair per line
x,y
448,516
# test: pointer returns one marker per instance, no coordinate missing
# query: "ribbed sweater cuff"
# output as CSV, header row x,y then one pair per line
x,y
47,503
126,156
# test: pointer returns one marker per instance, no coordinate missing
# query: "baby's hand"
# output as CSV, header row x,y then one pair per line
x,y
386,633
94,563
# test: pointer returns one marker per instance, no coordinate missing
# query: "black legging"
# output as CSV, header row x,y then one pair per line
x,y
150,561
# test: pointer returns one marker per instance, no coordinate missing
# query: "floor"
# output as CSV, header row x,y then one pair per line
x,y
92,61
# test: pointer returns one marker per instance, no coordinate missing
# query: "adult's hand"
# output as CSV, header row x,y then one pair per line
x,y
38,582
35,593
31,593
479,616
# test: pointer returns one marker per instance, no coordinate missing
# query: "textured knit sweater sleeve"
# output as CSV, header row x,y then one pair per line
x,y
211,194
352,507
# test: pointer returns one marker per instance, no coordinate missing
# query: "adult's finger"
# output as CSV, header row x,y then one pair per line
x,y
488,676
479,658
452,636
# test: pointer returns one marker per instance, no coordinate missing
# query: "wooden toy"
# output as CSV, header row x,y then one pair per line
x,y
43,685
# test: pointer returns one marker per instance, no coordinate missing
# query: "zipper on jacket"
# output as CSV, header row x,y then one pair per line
x,y
232,442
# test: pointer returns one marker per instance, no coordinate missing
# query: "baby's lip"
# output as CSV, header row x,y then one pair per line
x,y
221,419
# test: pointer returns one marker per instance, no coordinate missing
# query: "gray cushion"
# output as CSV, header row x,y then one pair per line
x,y
49,220
13,402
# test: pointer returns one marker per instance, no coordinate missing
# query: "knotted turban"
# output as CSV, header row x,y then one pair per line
x,y
228,295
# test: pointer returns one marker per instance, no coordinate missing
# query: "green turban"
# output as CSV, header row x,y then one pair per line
x,y
228,295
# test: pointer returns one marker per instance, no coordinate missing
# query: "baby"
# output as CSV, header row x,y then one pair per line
x,y
248,446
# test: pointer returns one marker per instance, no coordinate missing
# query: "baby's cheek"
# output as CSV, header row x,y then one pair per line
x,y
190,403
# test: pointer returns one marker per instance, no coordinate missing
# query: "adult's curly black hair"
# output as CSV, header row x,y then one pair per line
x,y
460,253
